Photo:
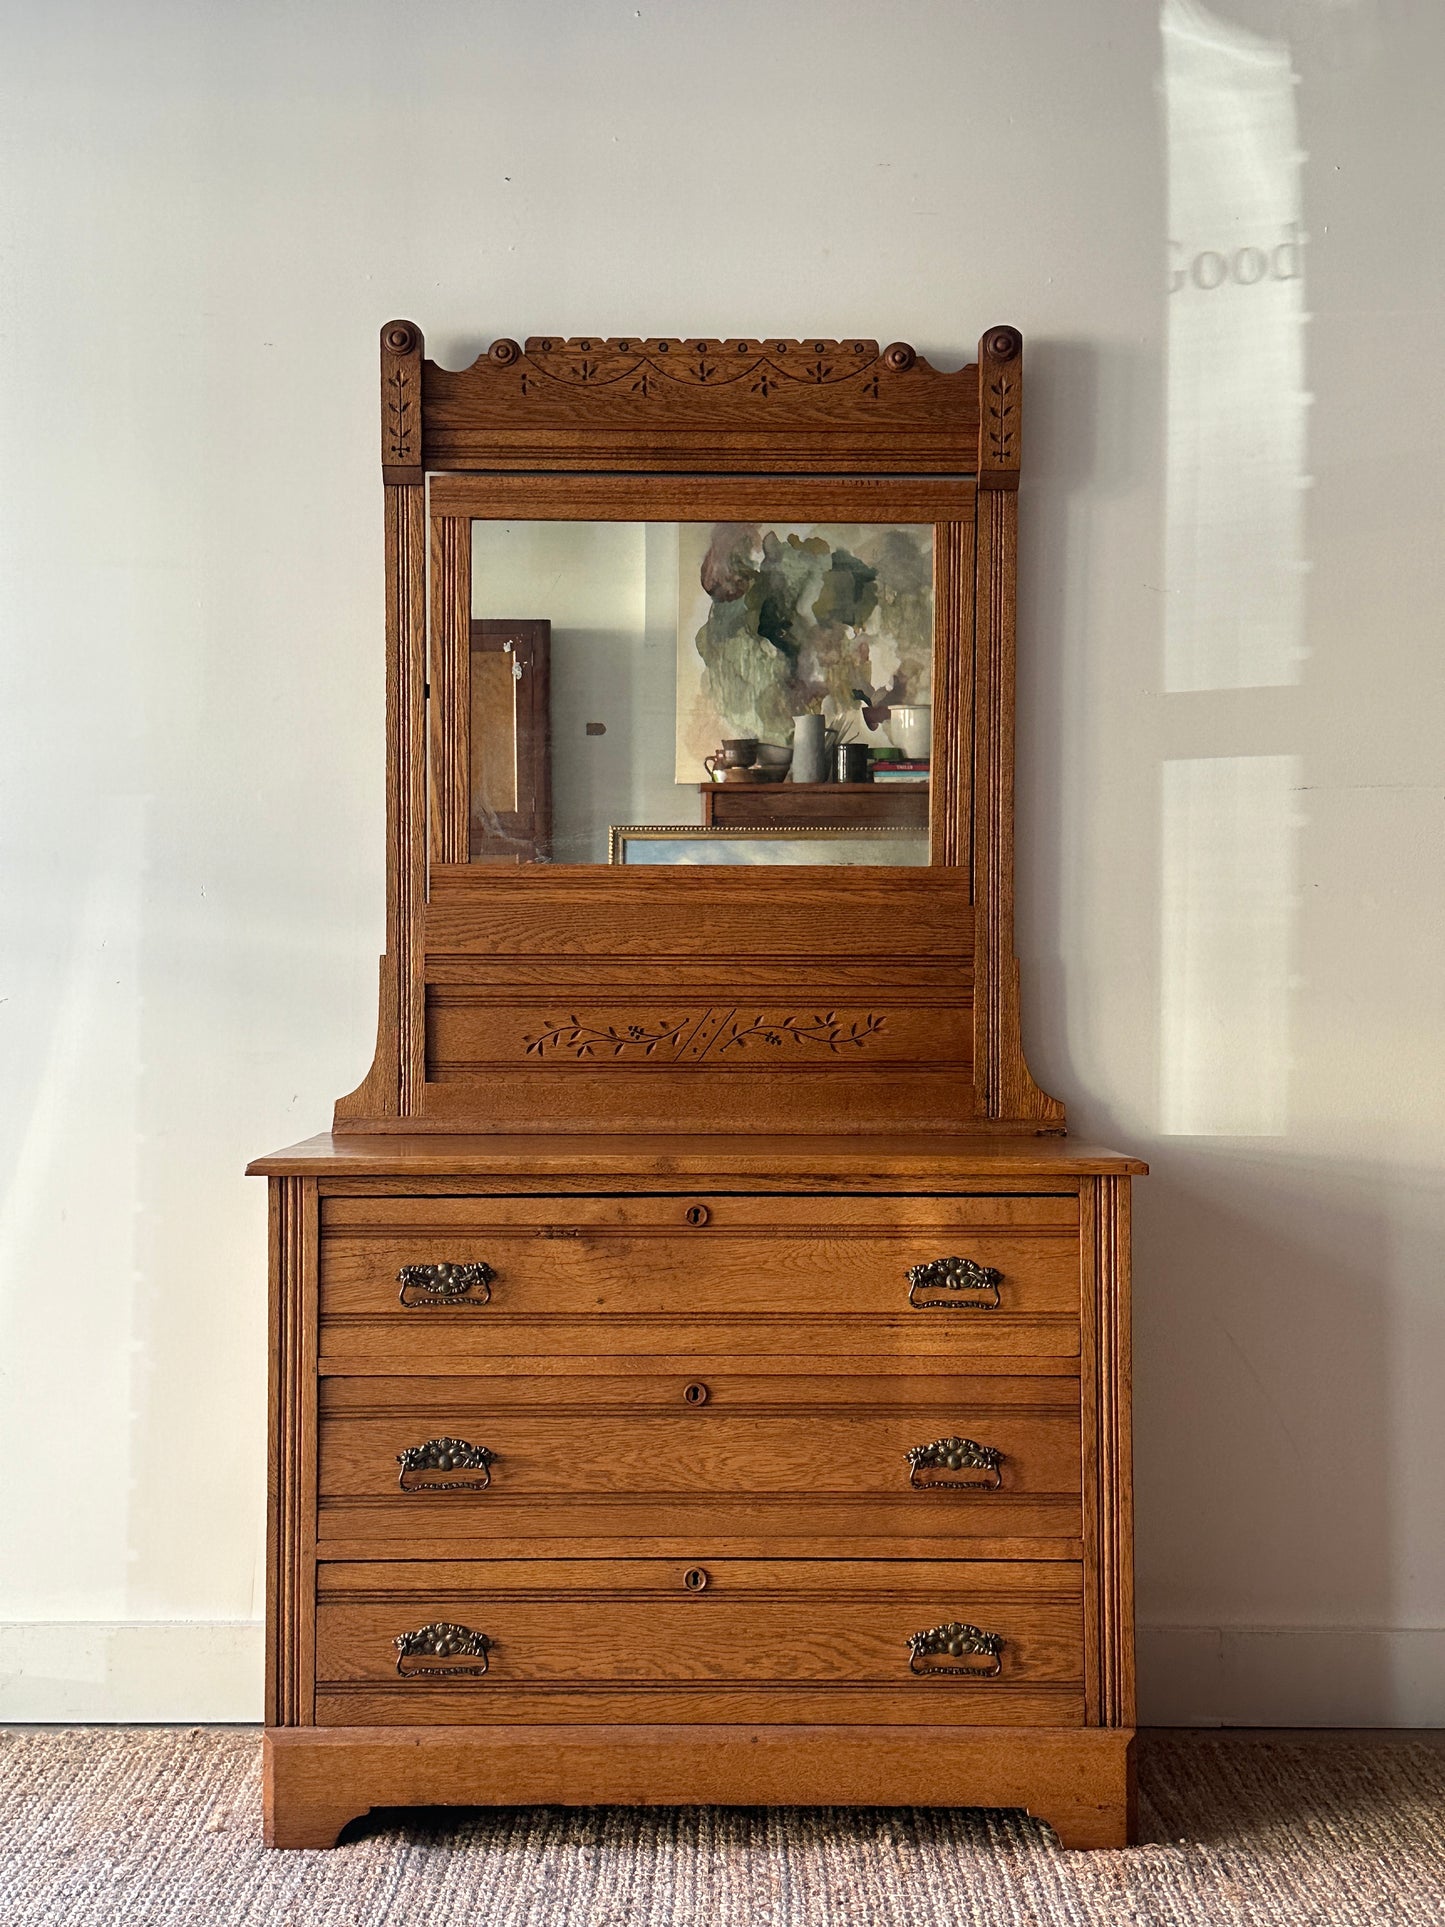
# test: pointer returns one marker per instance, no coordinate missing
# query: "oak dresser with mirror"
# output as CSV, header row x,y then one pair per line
x,y
700,1359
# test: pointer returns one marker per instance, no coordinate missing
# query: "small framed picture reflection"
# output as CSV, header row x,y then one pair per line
x,y
637,843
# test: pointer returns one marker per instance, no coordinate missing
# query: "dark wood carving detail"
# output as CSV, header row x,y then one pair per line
x,y
828,1030
724,404
697,1033
644,364
401,425
1000,378
569,1035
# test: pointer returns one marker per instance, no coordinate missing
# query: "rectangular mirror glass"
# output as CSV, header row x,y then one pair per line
x,y
737,681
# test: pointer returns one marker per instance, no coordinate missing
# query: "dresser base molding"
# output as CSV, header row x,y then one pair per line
x,y
1080,1783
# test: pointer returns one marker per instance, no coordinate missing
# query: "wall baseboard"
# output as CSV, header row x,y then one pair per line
x,y
1291,1676
197,1671
104,1672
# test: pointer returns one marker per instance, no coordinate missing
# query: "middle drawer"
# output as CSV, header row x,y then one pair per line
x,y
751,1459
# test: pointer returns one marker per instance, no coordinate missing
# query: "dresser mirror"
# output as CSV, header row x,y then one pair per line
x,y
700,676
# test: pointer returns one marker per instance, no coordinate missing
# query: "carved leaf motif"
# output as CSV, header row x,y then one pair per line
x,y
398,412
826,1030
822,1030
590,1040
764,365
1000,415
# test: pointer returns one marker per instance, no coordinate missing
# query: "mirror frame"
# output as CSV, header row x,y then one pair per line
x,y
653,429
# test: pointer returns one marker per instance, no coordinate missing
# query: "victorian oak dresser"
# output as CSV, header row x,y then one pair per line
x,y
700,1358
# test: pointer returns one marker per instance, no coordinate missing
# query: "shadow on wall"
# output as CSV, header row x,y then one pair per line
x,y
1264,1478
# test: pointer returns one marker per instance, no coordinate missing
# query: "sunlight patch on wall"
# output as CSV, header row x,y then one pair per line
x,y
1228,898
1236,401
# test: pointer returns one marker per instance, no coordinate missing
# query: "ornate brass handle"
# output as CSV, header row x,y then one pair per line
x,y
441,1644
929,1653
951,1277
955,1455
417,1462
445,1284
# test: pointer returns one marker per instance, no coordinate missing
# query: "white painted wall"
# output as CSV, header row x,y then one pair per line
x,y
1231,784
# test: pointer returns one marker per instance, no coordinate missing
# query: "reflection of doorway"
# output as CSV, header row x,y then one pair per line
x,y
511,814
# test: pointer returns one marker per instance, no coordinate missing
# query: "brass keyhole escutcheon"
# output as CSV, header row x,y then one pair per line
x,y
695,1579
697,1214
696,1394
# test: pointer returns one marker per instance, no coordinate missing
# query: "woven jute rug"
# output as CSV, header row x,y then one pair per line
x,y
163,1826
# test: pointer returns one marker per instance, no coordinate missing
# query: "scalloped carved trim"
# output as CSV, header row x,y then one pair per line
x,y
683,403
650,364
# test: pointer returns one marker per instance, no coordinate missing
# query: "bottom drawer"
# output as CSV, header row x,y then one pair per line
x,y
523,1641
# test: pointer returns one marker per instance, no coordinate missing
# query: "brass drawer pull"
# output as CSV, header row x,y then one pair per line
x,y
444,1456
696,1393
952,1276
445,1284
696,1578
929,1653
943,1456
440,1644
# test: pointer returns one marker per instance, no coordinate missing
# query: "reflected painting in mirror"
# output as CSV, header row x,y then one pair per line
x,y
746,678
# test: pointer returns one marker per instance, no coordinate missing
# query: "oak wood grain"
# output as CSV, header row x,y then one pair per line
x,y
996,1580
703,498
1004,1084
661,1161
444,1343
548,912
389,1088
641,1032
746,1525
1079,1781
568,1377
798,1387
740,806
654,405
604,1274
291,1509
695,1220
713,1639
449,707
952,769
700,1123
736,1457
980,1703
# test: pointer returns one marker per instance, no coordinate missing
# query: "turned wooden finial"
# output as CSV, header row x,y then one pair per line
x,y
401,350
1000,407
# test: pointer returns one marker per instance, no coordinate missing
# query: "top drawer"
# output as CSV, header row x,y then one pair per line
x,y
725,1256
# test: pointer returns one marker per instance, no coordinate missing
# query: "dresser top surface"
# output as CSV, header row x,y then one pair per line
x,y
649,1157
